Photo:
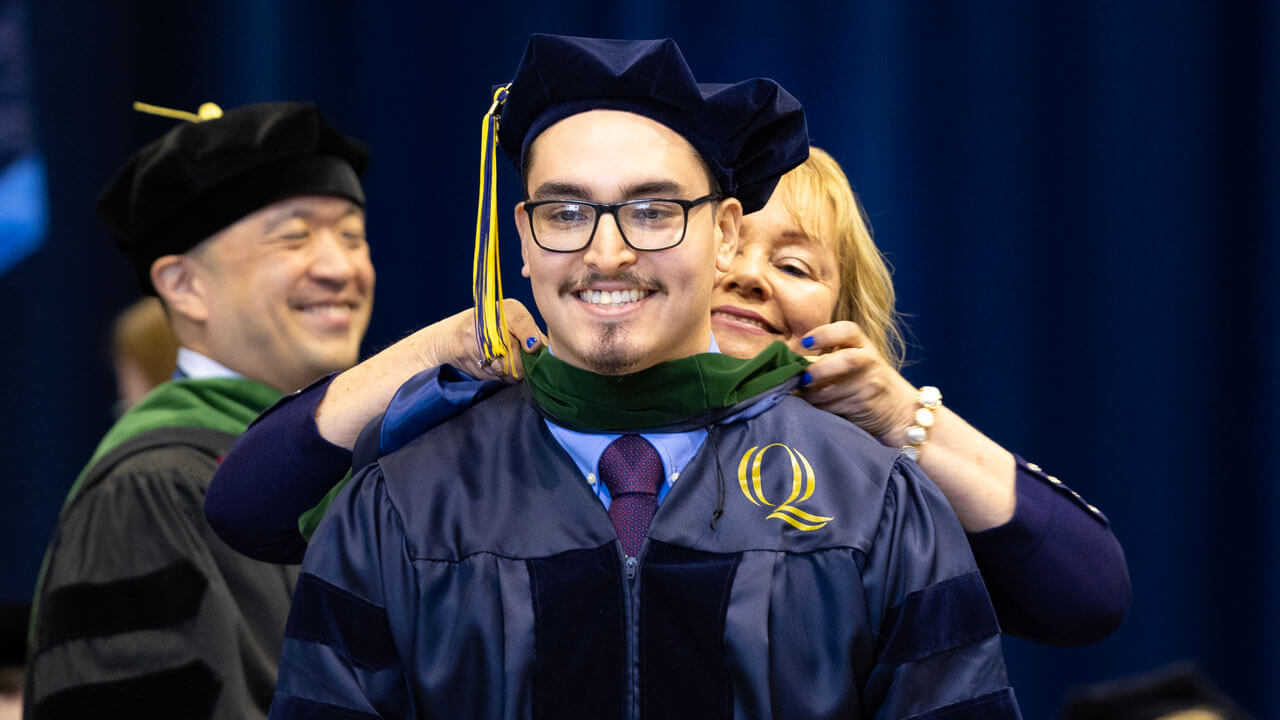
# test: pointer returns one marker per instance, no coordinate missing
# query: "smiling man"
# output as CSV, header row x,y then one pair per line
x,y
643,529
249,226
294,291
612,313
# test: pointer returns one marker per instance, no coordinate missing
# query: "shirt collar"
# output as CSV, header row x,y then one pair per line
x,y
197,366
675,449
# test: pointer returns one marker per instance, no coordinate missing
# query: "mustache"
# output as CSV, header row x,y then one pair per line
x,y
651,283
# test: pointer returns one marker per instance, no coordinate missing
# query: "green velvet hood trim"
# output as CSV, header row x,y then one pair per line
x,y
665,395
224,404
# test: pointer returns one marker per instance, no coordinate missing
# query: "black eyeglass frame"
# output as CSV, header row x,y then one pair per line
x,y
603,209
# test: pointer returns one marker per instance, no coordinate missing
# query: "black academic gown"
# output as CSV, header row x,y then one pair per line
x,y
143,612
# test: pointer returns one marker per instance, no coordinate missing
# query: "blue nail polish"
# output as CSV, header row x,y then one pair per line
x,y
807,342
531,342
805,378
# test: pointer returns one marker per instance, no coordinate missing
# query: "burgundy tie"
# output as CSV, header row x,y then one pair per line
x,y
632,471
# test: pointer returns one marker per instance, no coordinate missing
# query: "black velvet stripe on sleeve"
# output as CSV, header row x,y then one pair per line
x,y
158,599
189,691
580,640
944,615
354,627
998,705
684,596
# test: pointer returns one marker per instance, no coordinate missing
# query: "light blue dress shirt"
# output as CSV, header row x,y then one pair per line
x,y
676,450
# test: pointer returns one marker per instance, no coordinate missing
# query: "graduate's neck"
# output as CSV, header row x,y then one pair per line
x,y
611,361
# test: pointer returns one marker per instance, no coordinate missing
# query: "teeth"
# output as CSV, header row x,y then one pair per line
x,y
612,297
329,310
742,320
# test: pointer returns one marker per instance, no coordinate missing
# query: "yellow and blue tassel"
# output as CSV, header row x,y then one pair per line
x,y
486,268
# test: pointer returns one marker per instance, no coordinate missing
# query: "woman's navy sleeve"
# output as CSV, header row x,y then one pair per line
x,y
1055,572
277,470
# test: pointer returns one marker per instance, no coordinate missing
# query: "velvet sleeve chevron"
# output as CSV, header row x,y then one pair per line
x,y
143,613
340,659
938,653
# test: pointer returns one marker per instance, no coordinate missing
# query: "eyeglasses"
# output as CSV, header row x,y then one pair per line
x,y
651,224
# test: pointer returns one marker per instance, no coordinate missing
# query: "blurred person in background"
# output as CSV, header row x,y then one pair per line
x,y
1180,691
249,227
144,351
13,657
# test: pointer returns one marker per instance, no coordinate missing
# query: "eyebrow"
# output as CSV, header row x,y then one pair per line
x,y
559,191
564,190
796,238
799,236
660,188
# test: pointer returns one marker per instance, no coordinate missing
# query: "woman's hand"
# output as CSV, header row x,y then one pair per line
x,y
357,395
853,380
453,341
850,378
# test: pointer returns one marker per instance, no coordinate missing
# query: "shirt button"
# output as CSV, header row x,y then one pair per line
x,y
591,479
1054,480
1034,467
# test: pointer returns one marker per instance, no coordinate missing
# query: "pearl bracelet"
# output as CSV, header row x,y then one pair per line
x,y
930,399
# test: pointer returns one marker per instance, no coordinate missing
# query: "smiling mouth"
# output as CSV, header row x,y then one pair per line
x,y
336,311
613,297
751,321
329,316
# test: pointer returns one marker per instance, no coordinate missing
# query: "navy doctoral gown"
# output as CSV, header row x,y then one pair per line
x,y
474,574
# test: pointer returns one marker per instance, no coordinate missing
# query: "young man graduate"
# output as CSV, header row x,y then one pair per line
x,y
249,226
642,528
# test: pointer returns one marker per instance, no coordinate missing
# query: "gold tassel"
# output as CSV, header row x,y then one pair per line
x,y
486,267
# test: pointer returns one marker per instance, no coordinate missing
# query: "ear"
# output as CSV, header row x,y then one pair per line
x,y
526,237
178,284
728,227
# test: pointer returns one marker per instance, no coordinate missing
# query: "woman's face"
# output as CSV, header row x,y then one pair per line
x,y
781,284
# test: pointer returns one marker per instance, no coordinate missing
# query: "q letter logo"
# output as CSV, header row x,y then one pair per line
x,y
802,482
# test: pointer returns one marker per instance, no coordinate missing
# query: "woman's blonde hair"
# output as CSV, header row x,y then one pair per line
x,y
820,199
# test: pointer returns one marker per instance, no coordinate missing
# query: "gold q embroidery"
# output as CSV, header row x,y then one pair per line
x,y
802,481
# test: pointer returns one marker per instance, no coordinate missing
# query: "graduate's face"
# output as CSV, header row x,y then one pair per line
x,y
288,290
781,284
609,156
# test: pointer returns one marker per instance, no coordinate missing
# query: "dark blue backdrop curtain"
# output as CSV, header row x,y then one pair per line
x,y
1079,200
